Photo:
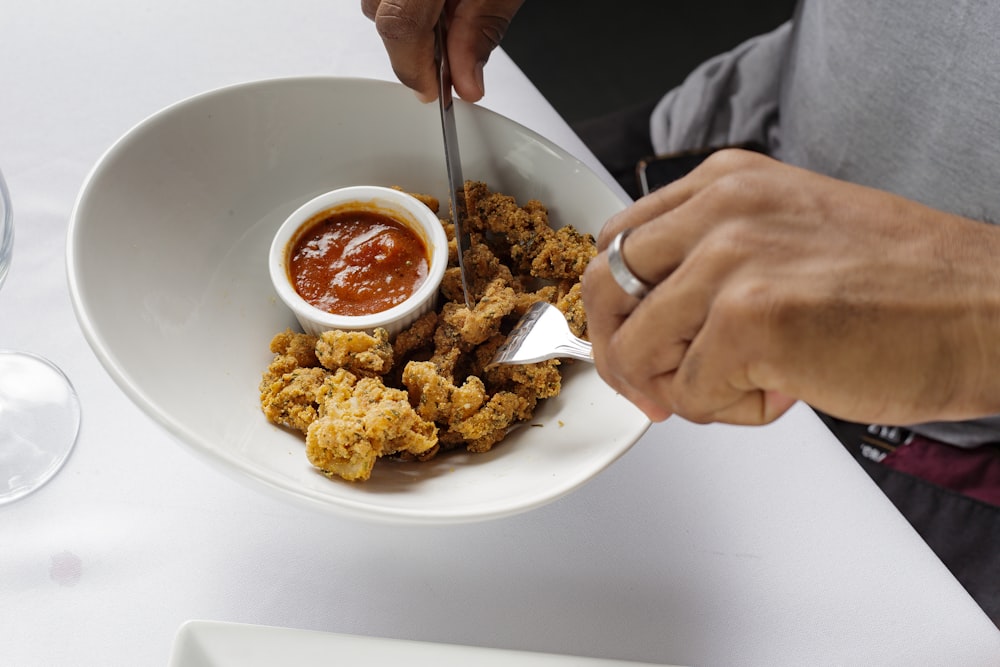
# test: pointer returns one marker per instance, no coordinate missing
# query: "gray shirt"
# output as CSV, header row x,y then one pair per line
x,y
902,95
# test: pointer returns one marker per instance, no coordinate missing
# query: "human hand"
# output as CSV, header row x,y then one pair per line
x,y
475,28
772,284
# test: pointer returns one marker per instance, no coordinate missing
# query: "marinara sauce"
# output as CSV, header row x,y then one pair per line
x,y
357,262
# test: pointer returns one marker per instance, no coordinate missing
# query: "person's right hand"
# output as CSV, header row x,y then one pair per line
x,y
771,284
475,28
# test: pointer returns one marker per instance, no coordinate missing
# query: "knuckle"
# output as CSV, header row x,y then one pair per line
x,y
369,8
396,28
746,305
616,358
594,276
738,185
685,404
740,178
630,360
492,29
588,278
728,245
759,318
399,22
734,159
697,418
684,397
408,77
608,231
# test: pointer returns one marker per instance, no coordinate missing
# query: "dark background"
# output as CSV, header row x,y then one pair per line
x,y
592,58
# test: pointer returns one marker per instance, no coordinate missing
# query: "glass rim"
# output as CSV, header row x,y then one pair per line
x,y
6,228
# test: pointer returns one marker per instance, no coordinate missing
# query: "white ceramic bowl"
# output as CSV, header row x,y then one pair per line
x,y
402,207
167,274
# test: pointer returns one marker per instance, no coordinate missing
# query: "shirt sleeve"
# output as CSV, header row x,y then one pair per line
x,y
728,100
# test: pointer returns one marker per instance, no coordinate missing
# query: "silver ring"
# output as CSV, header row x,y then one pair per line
x,y
620,271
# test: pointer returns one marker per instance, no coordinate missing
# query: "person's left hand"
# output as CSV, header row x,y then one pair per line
x,y
407,30
772,284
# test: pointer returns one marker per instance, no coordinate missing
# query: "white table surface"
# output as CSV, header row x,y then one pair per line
x,y
703,545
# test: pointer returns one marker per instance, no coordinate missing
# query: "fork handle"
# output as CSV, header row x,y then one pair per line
x,y
576,349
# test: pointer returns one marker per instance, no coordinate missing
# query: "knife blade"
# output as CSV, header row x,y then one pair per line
x,y
453,160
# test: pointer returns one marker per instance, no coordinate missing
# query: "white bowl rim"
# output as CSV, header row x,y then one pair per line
x,y
240,469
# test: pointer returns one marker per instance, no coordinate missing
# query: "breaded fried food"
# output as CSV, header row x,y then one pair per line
x,y
468,411
361,353
499,214
291,384
571,305
563,255
299,345
418,335
359,397
489,425
484,320
290,395
360,421
485,269
435,396
533,247
429,201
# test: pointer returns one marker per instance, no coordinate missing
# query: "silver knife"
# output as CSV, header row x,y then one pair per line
x,y
453,160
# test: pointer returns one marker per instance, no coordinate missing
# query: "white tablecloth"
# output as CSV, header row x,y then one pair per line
x,y
703,545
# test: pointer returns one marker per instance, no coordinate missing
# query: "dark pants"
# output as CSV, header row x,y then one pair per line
x,y
962,529
948,495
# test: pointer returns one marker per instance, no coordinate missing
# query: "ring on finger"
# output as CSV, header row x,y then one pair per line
x,y
628,281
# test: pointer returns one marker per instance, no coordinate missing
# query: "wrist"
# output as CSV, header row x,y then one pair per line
x,y
975,391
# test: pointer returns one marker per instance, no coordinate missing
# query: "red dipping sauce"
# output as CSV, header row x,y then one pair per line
x,y
356,261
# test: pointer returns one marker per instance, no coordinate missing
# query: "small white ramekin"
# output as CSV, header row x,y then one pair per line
x,y
399,205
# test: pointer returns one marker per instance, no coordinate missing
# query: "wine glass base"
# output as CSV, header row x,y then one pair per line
x,y
39,423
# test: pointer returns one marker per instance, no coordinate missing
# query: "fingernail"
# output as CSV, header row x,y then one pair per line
x,y
479,76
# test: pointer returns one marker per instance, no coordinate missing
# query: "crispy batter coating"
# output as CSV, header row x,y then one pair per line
x,y
476,325
499,214
467,411
290,395
362,420
435,396
563,255
489,425
429,201
358,397
418,335
571,305
299,345
359,352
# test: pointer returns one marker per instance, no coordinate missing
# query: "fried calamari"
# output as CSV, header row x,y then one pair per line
x,y
357,397
361,420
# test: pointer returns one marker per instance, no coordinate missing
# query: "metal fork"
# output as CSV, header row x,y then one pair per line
x,y
542,333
